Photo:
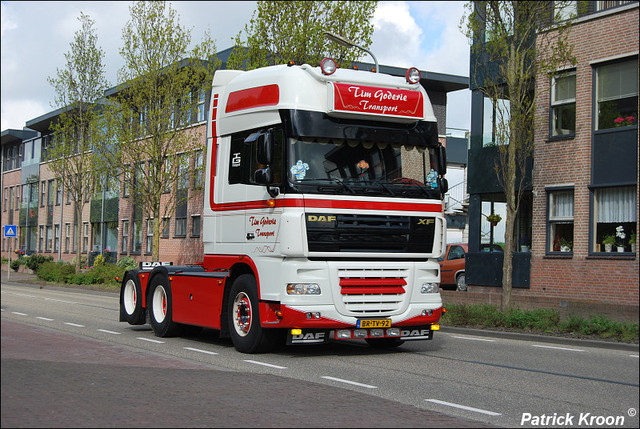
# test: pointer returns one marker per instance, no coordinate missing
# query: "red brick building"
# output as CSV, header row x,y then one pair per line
x,y
584,182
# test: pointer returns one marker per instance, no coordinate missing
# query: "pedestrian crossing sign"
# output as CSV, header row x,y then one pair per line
x,y
10,230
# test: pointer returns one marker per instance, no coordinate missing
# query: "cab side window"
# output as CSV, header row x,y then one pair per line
x,y
243,159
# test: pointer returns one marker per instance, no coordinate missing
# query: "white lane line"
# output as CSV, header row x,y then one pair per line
x,y
44,318
60,300
74,324
23,294
109,332
265,364
200,351
340,380
19,314
463,407
556,348
150,340
634,355
473,338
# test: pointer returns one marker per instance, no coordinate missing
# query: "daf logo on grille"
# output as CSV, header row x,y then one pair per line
x,y
320,218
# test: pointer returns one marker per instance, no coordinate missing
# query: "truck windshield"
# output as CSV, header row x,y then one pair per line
x,y
360,168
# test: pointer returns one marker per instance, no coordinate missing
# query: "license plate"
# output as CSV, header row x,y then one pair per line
x,y
374,323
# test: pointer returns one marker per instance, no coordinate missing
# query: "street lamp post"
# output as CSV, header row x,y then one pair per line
x,y
349,44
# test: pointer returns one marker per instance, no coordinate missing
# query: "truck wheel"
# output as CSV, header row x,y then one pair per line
x,y
161,308
384,343
244,318
461,283
130,302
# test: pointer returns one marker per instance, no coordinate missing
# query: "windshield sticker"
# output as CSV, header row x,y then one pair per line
x,y
299,170
236,160
432,179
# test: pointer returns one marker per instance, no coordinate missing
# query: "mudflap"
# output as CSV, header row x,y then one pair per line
x,y
416,333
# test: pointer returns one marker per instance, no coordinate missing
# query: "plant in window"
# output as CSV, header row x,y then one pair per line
x,y
565,245
624,121
525,241
632,238
609,239
620,236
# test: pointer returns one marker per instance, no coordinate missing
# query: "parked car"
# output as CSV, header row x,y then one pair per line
x,y
452,266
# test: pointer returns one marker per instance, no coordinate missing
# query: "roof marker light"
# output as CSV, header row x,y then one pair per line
x,y
328,66
413,75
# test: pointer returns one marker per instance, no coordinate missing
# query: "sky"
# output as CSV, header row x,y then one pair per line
x,y
36,35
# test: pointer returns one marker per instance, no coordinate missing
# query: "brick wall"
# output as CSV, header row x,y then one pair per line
x,y
608,280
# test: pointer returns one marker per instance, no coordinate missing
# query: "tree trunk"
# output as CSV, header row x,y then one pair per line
x,y
78,208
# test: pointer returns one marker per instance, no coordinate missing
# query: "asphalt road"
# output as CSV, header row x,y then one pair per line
x,y
66,361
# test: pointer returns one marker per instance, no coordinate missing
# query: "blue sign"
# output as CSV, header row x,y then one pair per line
x,y
10,230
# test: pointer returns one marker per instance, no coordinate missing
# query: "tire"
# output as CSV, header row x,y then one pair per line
x,y
130,303
384,343
461,283
161,308
244,318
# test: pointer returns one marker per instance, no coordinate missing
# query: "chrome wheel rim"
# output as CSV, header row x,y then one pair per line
x,y
242,314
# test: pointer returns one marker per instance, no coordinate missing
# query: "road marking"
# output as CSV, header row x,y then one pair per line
x,y
74,324
60,300
44,318
19,314
368,386
473,338
557,348
265,364
150,340
200,351
463,407
109,332
23,294
634,355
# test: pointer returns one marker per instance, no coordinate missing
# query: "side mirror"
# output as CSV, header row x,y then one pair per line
x,y
443,185
442,160
265,148
263,176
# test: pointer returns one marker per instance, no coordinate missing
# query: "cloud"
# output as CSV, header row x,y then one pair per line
x,y
16,112
397,36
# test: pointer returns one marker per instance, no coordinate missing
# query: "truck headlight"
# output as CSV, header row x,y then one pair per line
x,y
429,288
303,289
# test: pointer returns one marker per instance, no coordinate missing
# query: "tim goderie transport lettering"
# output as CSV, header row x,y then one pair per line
x,y
319,222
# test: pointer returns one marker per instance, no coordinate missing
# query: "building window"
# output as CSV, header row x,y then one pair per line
x,y
617,94
495,123
125,235
50,191
56,237
67,235
149,244
195,225
560,214
615,218
49,239
126,181
200,108
58,192
563,104
40,237
197,169
43,193
85,237
602,5
136,240
165,227
181,227
563,10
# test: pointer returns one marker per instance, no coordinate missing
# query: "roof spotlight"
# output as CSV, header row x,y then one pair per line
x,y
413,75
328,66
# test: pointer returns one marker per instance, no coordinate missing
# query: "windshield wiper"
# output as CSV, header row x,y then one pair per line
x,y
328,187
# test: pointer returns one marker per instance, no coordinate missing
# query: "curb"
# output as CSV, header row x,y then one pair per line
x,y
541,338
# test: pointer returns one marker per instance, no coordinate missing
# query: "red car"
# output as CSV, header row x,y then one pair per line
x,y
452,266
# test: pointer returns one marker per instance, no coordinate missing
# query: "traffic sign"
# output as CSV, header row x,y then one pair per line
x,y
10,231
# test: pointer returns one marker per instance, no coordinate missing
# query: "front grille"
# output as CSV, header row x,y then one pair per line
x,y
373,292
370,233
